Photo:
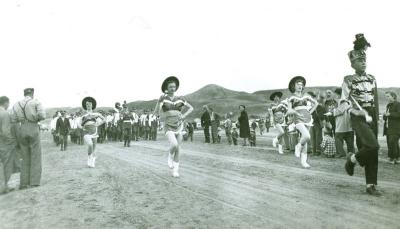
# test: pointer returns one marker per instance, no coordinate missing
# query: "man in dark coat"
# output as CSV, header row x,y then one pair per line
x,y
205,123
63,128
244,125
392,127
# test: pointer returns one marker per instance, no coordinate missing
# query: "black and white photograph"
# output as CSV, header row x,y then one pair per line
x,y
199,114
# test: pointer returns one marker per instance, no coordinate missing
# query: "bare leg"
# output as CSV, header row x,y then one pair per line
x,y
305,138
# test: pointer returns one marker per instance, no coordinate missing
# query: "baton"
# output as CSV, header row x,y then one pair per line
x,y
368,118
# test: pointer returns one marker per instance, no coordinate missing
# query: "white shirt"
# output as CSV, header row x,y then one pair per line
x,y
135,117
53,123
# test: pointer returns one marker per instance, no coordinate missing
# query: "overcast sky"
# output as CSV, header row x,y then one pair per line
x,y
115,50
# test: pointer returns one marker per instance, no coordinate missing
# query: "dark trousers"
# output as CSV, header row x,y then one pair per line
x,y
393,145
63,141
340,138
207,133
316,139
367,155
127,133
31,152
153,133
135,132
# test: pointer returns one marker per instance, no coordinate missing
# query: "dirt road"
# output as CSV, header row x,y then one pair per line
x,y
220,186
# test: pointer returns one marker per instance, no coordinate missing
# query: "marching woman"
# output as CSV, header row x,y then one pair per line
x,y
278,110
89,123
300,114
172,107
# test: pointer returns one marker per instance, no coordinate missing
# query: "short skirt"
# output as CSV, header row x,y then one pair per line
x,y
173,122
90,130
304,117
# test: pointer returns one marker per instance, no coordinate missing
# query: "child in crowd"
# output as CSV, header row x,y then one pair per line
x,y
252,138
235,135
328,143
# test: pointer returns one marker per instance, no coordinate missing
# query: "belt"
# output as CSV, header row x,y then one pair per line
x,y
127,121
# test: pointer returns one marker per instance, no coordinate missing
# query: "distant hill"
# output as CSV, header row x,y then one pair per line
x,y
223,100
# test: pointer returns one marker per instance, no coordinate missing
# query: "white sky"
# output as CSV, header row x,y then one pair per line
x,y
115,50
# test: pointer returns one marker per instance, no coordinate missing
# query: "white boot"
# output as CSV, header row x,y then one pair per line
x,y
89,160
297,150
93,161
175,171
280,149
170,161
303,160
275,142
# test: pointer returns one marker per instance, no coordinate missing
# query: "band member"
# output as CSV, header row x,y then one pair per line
x,y
172,107
206,123
153,127
299,110
244,125
89,125
102,129
126,125
63,128
117,127
392,127
361,90
278,109
135,127
27,113
109,125
143,124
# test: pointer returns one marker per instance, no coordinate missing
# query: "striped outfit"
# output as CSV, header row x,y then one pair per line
x,y
172,108
89,125
301,106
279,111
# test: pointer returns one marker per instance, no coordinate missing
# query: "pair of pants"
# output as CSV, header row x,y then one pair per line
x,y
127,132
214,131
63,141
367,156
315,139
8,164
347,137
207,133
393,145
135,132
31,152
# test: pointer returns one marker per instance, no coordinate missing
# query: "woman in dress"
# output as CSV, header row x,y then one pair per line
x,y
244,125
301,115
278,110
172,108
89,123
